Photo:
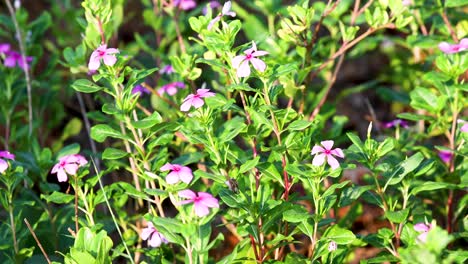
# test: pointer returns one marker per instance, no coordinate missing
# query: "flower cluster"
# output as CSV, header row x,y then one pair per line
x,y
68,164
12,58
4,154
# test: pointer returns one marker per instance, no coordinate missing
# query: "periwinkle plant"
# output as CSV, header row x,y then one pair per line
x,y
224,131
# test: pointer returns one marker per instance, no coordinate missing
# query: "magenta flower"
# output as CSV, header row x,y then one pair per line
x,y
4,48
168,69
5,154
327,153
178,173
68,164
195,100
171,88
140,90
332,246
423,229
102,53
445,156
13,59
201,202
454,48
226,11
241,62
185,4
150,233
395,123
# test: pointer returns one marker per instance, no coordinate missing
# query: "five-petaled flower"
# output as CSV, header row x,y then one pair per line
x,y
150,233
241,62
201,202
195,100
332,246
326,152
171,88
423,229
102,53
68,164
13,59
454,48
226,11
185,4
178,173
5,154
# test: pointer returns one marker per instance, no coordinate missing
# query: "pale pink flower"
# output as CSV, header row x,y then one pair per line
x,y
328,153
68,164
5,154
454,48
464,127
332,246
178,173
168,69
423,229
195,100
171,88
201,202
13,59
185,4
150,233
445,156
241,62
226,11
102,53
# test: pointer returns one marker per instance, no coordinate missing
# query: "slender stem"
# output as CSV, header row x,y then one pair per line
x,y
449,26
255,250
12,226
179,35
189,250
25,64
37,240
101,30
87,126
76,203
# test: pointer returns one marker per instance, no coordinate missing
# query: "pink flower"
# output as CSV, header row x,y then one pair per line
x,y
332,246
168,69
5,154
454,48
241,62
140,89
421,227
195,100
102,52
171,88
201,202
395,123
178,173
4,48
185,4
445,156
226,11
464,127
68,164
155,238
328,153
13,59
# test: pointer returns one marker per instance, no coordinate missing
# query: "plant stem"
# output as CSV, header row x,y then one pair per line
x,y
25,64
12,225
76,203
37,240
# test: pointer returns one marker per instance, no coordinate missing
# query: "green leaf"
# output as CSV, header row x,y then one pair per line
x,y
405,167
296,214
299,125
149,121
58,197
231,128
69,150
397,216
456,3
351,194
429,186
113,154
339,235
425,99
356,141
85,86
101,132
248,165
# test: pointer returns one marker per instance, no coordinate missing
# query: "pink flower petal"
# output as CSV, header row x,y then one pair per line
x,y
112,51
212,22
337,152
226,7
201,210
110,60
318,160
155,240
189,194
258,64
94,62
197,102
244,69
237,61
421,227
71,168
186,175
167,167
62,176
423,237
146,232
260,53
172,178
3,166
317,149
328,144
334,164
205,93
